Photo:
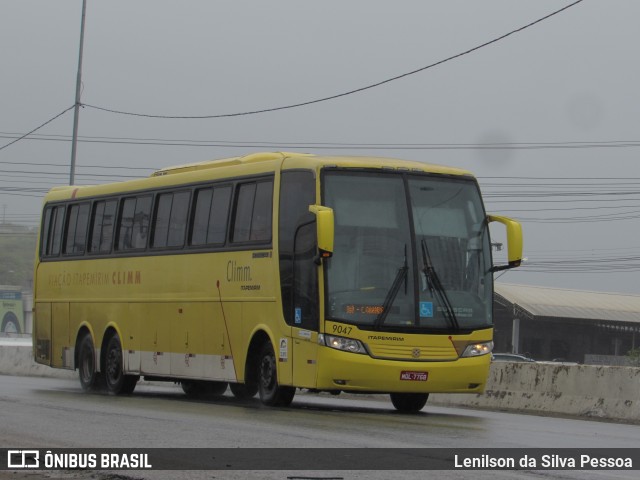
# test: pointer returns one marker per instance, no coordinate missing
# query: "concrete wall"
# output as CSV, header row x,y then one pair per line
x,y
16,358
605,392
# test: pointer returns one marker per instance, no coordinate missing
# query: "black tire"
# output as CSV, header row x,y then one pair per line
x,y
271,393
201,388
242,391
218,388
10,324
90,378
116,381
409,402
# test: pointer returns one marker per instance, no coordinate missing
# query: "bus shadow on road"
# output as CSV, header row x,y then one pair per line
x,y
373,406
314,403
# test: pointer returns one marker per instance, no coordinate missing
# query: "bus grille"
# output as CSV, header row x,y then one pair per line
x,y
415,352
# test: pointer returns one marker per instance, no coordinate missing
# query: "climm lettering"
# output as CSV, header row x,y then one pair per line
x,y
130,277
238,273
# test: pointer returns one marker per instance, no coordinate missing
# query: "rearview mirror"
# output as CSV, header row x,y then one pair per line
x,y
514,242
325,229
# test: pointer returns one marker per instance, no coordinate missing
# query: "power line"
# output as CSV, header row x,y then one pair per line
x,y
18,234
562,186
587,219
564,178
581,264
106,167
603,265
563,252
30,182
565,209
9,217
88,175
287,145
344,94
557,201
37,128
560,194
16,194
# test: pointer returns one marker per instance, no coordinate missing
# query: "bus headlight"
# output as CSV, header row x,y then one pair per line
x,y
477,349
342,343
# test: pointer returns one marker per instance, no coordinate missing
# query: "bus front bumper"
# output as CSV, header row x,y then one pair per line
x,y
338,370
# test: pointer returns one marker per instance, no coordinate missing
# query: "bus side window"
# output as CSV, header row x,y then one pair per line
x,y
141,221
102,224
76,235
133,226
52,231
211,212
170,223
244,208
252,219
178,219
297,249
261,218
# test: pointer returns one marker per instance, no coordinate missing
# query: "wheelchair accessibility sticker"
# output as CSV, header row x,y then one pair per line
x,y
426,309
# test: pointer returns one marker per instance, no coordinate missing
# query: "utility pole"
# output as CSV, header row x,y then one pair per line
x,y
74,141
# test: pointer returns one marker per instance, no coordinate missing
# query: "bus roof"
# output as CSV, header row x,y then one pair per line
x,y
310,160
252,164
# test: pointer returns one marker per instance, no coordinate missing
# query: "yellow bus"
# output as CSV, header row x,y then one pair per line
x,y
270,273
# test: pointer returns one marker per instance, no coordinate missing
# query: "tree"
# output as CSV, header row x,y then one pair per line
x,y
634,356
17,252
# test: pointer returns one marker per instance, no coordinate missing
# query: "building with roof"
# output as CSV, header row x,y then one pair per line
x,y
568,325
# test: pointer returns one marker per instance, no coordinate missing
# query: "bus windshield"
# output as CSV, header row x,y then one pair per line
x,y
411,252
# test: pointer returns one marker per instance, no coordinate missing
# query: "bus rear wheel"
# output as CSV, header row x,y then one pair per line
x,y
116,381
201,388
409,402
271,393
90,379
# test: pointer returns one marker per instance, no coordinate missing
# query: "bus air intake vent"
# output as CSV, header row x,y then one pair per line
x,y
413,352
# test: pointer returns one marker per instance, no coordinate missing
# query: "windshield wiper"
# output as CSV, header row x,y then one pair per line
x,y
435,286
393,292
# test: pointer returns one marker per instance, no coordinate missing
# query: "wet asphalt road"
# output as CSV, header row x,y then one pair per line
x,y
55,413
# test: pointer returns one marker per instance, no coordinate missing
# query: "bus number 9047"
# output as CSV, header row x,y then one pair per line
x,y
342,329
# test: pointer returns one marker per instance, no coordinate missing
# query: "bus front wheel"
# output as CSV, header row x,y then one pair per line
x,y
409,402
271,393
116,381
89,377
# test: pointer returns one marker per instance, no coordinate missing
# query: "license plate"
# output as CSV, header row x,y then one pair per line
x,y
414,376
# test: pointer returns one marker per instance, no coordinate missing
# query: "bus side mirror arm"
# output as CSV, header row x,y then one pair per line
x,y
514,242
325,231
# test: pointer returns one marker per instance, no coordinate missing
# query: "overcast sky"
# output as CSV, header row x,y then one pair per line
x,y
564,90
